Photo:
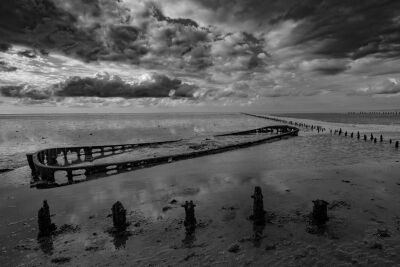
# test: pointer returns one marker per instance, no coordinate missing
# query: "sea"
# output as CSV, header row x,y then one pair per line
x,y
21,134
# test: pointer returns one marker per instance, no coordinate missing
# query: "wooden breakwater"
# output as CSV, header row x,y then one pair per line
x,y
311,127
43,163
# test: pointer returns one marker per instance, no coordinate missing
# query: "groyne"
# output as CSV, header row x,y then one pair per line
x,y
43,163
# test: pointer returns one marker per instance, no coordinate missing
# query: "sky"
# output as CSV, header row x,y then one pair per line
x,y
199,55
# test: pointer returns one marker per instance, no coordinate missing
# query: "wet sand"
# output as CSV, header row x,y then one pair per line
x,y
359,180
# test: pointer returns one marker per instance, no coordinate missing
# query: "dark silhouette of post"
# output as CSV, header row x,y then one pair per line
x,y
190,218
365,137
381,139
258,216
340,131
396,145
46,227
358,135
375,140
351,135
32,166
371,137
320,212
119,216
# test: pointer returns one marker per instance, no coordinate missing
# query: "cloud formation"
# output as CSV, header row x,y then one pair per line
x,y
218,50
387,87
113,86
106,86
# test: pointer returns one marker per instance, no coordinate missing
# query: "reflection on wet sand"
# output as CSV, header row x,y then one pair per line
x,y
46,245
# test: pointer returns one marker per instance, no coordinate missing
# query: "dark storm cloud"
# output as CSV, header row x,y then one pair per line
x,y
161,17
325,66
98,29
108,30
23,91
4,47
42,24
157,86
6,67
342,28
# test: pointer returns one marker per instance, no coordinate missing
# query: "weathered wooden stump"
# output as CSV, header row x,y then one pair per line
x,y
396,145
258,216
46,227
375,140
381,139
365,137
320,212
371,137
358,135
351,135
119,216
190,219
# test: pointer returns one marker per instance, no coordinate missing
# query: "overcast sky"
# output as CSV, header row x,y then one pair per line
x,y
199,55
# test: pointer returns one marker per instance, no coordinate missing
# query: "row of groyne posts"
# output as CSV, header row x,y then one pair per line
x,y
310,127
376,113
317,218
339,132
372,138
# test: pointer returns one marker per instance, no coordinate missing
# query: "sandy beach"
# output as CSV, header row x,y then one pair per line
x,y
359,182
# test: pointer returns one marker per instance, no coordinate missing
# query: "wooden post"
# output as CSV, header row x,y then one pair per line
x,y
29,157
190,219
258,207
119,216
88,154
46,227
70,176
320,212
